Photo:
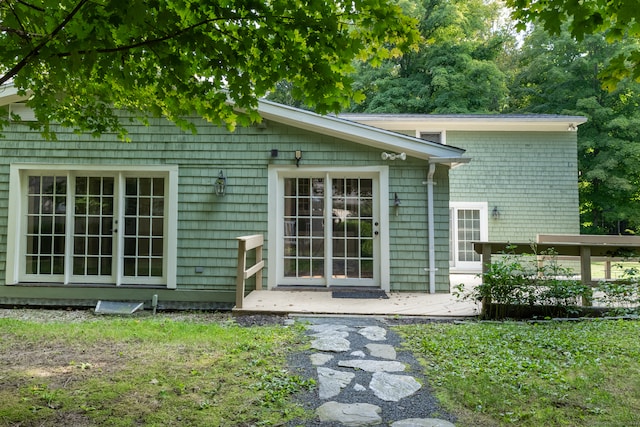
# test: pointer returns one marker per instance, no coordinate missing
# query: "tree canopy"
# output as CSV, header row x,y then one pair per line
x,y
453,71
617,19
82,59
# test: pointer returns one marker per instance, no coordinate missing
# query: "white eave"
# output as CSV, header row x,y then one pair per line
x,y
360,133
470,122
9,95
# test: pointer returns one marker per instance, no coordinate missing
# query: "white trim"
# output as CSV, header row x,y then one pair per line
x,y
276,173
482,207
499,123
376,137
17,188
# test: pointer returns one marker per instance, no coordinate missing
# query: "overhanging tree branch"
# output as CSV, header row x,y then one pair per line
x,y
150,42
36,50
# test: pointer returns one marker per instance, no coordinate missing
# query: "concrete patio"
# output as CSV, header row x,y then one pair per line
x,y
398,303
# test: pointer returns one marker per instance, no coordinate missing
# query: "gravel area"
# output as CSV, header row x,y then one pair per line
x,y
89,315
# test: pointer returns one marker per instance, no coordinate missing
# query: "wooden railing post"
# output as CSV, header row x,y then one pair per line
x,y
242,265
247,243
585,272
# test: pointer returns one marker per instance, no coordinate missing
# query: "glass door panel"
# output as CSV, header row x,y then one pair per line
x,y
352,231
46,225
144,218
93,226
304,227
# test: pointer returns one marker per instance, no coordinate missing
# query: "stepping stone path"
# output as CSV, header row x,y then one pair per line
x,y
361,382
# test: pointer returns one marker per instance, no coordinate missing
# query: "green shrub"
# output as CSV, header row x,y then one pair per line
x,y
622,296
535,279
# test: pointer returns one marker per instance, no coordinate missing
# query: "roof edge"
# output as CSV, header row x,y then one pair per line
x,y
365,134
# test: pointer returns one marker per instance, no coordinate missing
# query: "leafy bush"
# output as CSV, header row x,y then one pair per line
x,y
535,279
621,296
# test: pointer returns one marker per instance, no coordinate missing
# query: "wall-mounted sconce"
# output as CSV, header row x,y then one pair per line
x,y
274,153
396,203
220,185
394,156
495,213
298,157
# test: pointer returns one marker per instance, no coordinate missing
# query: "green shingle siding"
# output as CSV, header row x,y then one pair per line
x,y
208,224
409,249
531,177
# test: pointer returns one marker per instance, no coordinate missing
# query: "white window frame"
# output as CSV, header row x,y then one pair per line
x,y
275,246
16,270
462,266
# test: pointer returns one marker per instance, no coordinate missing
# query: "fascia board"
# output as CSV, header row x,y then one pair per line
x,y
465,123
356,132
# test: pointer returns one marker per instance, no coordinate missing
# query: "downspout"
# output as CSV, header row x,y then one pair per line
x,y
431,229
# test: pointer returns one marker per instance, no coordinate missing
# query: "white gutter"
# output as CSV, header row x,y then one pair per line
x,y
431,229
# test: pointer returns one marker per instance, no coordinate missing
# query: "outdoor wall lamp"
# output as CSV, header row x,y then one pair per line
x,y
298,157
495,213
220,184
393,156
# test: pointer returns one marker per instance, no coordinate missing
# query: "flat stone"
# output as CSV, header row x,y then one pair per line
x,y
382,351
358,353
341,334
335,344
374,333
328,327
353,415
330,382
320,358
373,365
392,388
422,422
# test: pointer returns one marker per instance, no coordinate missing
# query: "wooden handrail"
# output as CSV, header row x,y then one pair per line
x,y
584,250
603,240
245,244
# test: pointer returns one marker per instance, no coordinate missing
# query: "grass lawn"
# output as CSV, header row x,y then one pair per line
x,y
106,371
533,374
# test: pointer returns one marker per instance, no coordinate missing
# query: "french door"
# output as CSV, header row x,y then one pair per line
x,y
87,227
330,227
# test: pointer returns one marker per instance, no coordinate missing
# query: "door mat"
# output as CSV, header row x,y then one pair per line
x,y
363,294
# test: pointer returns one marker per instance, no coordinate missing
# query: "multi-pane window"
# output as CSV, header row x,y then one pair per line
x,y
87,227
468,225
468,232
